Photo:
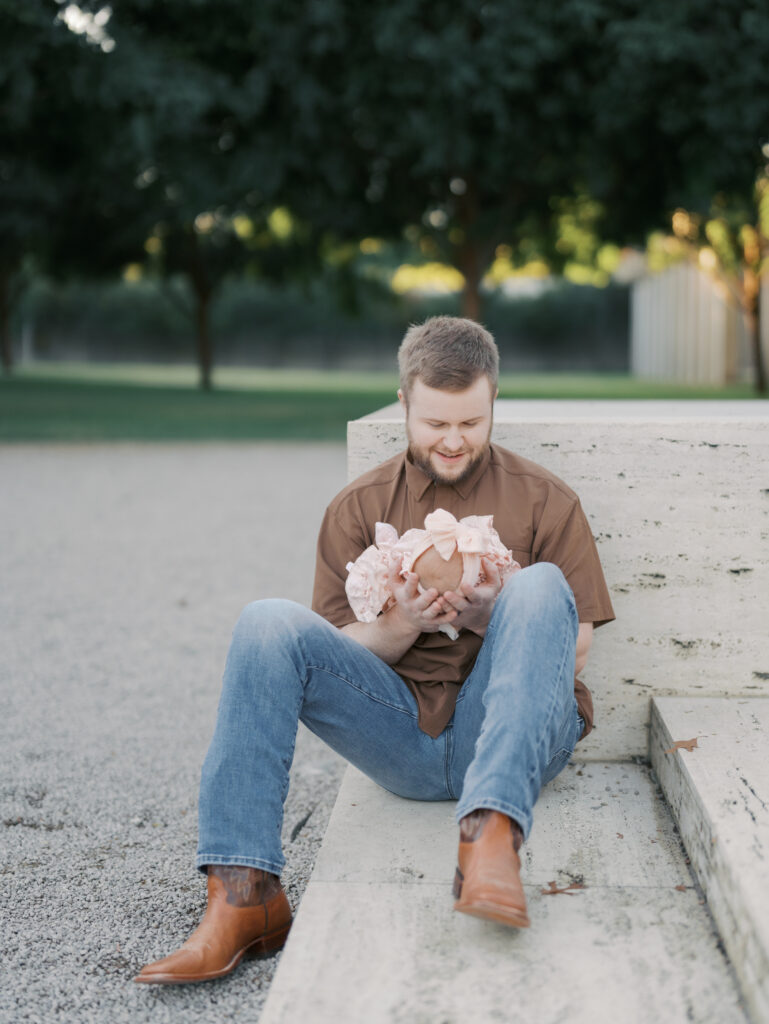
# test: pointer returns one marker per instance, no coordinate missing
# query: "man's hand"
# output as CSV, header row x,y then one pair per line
x,y
474,605
425,612
391,634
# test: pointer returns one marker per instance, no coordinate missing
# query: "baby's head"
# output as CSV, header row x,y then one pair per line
x,y
434,571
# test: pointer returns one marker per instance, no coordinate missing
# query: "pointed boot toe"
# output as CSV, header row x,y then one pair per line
x,y
226,935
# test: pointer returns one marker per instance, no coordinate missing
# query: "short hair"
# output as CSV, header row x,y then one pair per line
x,y
448,353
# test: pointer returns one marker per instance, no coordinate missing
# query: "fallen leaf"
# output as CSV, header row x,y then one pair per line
x,y
682,745
682,888
620,835
554,889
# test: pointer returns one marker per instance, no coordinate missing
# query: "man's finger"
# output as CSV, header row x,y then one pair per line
x,y
441,617
439,605
491,572
424,600
458,601
408,586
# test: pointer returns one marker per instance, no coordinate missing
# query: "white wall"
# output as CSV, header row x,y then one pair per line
x,y
684,327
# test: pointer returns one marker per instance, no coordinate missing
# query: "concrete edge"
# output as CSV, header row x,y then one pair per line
x,y
728,900
623,411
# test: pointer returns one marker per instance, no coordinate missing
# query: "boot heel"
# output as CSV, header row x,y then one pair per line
x,y
268,944
457,886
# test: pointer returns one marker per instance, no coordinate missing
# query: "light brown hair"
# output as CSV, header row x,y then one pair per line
x,y
448,353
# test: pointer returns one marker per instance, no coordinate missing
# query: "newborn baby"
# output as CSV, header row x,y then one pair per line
x,y
444,555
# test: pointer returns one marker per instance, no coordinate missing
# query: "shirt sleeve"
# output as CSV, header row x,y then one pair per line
x,y
341,539
564,537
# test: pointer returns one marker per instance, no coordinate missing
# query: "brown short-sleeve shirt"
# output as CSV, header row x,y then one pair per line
x,y
535,514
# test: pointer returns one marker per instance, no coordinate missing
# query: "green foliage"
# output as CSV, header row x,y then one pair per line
x,y
545,128
63,159
681,113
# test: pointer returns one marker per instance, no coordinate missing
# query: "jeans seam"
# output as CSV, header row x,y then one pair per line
x,y
489,630
572,615
378,700
449,750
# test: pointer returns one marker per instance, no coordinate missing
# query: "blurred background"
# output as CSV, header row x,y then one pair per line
x,y
217,218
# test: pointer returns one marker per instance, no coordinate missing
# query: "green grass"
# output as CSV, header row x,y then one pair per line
x,y
81,402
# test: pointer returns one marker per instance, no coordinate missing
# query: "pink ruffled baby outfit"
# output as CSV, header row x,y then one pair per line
x,y
368,581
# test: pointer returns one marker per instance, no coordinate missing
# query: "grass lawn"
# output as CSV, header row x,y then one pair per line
x,y
83,402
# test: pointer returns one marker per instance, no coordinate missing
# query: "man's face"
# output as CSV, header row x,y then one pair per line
x,y
448,431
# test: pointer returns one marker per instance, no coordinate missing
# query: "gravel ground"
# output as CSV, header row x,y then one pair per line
x,y
122,571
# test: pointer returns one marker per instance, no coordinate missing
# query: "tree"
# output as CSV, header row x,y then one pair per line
x,y
449,117
682,118
48,78
134,143
475,125
468,125
207,163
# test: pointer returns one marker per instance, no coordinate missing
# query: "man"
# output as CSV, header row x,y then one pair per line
x,y
486,719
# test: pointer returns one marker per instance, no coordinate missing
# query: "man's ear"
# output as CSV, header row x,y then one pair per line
x,y
401,398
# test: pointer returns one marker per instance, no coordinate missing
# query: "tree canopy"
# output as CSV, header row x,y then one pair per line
x,y
173,134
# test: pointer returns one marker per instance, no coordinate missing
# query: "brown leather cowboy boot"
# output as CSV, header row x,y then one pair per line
x,y
247,915
488,880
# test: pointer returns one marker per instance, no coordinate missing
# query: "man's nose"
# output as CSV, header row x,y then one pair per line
x,y
453,440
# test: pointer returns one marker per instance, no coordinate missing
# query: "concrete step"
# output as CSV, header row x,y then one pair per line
x,y
376,939
677,496
719,795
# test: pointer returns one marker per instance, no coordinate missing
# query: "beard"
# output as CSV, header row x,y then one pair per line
x,y
422,460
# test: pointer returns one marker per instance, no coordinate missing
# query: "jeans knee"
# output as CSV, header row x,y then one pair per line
x,y
540,589
544,574
268,615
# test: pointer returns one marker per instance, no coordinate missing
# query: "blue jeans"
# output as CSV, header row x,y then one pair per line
x,y
514,727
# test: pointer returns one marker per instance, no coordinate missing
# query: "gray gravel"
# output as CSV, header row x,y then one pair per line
x,y
122,571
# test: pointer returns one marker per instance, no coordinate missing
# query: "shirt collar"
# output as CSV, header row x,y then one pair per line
x,y
418,481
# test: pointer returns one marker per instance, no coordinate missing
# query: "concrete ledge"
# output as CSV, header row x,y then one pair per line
x,y
677,494
719,794
376,938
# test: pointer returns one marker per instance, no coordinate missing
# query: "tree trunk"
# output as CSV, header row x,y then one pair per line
x,y
202,291
203,337
753,324
469,260
6,348
469,253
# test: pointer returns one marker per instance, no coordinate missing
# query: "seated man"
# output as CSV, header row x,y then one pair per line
x,y
485,719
